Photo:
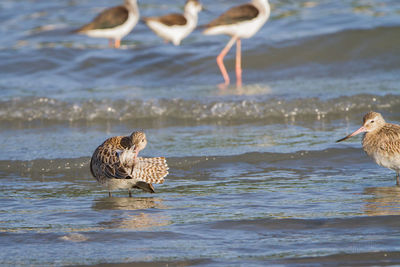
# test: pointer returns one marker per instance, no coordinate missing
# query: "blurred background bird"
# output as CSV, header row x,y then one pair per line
x,y
238,22
175,27
113,23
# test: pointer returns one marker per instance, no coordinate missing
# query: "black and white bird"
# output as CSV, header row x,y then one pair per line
x,y
113,23
238,22
175,27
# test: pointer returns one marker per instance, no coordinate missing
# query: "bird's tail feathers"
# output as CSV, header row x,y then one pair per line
x,y
150,170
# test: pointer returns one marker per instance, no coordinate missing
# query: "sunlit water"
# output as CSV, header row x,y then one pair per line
x,y
256,177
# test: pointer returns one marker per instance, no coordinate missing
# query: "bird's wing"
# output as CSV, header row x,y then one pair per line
x,y
235,15
169,20
109,18
106,160
390,138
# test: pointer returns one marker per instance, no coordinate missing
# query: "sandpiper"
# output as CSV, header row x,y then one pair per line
x,y
115,164
113,23
381,141
238,22
175,27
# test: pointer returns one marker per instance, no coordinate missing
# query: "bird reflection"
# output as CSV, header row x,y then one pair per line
x,y
139,221
125,203
134,215
385,201
248,90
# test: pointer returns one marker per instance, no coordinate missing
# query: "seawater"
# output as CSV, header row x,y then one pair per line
x,y
256,177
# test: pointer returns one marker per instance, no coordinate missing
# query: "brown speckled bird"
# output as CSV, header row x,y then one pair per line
x,y
115,164
381,141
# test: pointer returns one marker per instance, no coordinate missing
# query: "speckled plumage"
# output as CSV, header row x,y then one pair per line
x,y
115,164
381,141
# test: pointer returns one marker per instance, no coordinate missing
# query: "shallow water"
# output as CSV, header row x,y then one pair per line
x,y
256,177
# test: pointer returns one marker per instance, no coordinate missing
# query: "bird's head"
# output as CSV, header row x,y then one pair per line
x,y
139,140
372,122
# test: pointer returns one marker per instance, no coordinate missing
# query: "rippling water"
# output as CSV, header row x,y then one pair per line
x,y
256,177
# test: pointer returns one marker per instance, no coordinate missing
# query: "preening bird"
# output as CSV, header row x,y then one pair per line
x,y
115,164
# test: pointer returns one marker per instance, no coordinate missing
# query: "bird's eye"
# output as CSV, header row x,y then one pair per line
x,y
142,140
372,121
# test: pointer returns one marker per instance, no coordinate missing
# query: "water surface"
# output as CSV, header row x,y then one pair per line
x,y
256,177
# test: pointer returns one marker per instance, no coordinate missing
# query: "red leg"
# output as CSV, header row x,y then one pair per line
x,y
220,62
110,43
238,64
117,43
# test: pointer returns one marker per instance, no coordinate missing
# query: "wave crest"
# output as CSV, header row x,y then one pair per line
x,y
30,109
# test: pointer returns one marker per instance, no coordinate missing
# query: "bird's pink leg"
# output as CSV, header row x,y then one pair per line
x,y
238,63
220,62
110,43
117,43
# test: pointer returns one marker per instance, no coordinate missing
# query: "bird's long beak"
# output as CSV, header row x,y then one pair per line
x,y
361,130
136,152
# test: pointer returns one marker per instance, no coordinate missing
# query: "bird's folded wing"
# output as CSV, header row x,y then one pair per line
x,y
109,18
110,164
235,15
169,20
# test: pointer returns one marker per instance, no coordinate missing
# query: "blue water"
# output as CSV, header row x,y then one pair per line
x,y
256,177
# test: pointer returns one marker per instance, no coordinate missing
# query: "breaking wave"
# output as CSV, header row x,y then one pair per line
x,y
31,109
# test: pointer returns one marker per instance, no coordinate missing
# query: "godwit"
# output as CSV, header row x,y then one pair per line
x,y
239,22
113,23
115,164
175,27
381,141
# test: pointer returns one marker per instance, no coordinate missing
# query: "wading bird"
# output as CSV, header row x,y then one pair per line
x,y
238,22
381,141
113,23
115,164
175,27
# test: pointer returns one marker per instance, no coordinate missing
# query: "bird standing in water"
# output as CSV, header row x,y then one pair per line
x,y
381,141
115,164
175,27
113,23
238,22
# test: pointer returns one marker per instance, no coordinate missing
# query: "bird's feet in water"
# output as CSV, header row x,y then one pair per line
x,y
223,86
